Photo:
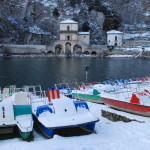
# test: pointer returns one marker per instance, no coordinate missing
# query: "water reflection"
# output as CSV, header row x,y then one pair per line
x,y
48,71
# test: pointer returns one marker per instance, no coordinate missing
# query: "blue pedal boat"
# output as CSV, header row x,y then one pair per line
x,y
59,112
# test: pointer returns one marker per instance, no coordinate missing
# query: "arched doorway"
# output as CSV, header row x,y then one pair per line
x,y
77,49
58,49
86,53
43,53
68,49
116,44
49,53
93,53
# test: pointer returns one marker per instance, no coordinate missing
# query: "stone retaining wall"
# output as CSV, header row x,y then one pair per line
x,y
23,49
43,49
115,117
99,50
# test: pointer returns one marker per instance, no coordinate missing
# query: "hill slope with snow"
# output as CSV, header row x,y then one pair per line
x,y
37,21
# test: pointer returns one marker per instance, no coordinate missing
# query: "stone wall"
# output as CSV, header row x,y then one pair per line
x,y
23,49
135,42
43,49
100,50
115,117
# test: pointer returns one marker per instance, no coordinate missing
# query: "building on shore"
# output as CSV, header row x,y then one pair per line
x,y
114,38
71,41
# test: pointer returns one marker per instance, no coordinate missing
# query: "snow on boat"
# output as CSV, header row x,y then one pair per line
x,y
15,110
133,102
88,92
58,112
92,92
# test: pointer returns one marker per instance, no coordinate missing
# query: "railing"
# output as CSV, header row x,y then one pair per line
x,y
68,31
39,96
35,93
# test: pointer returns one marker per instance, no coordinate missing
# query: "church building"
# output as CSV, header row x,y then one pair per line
x,y
71,41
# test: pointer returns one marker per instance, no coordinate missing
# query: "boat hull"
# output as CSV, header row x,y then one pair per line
x,y
25,135
64,113
89,98
49,132
128,107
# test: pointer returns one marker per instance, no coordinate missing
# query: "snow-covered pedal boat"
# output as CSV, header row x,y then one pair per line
x,y
58,111
91,92
136,103
15,110
63,89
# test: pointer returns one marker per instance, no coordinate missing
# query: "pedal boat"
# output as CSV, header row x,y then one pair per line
x,y
15,110
58,112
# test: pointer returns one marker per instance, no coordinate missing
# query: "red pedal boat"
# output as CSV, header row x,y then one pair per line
x,y
136,103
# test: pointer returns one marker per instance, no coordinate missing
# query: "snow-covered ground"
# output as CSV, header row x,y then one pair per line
x,y
134,35
110,136
121,56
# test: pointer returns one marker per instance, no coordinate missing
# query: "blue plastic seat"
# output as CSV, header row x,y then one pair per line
x,y
51,88
61,88
107,82
42,109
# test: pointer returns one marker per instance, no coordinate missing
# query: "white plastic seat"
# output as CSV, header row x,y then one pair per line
x,y
21,98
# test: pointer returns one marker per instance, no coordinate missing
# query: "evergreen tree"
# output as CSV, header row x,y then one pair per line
x,y
55,12
85,26
97,2
72,3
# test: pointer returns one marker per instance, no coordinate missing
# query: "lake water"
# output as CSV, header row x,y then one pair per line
x,y
48,71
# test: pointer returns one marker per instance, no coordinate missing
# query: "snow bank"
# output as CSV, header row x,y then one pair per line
x,y
110,136
121,56
134,35
37,30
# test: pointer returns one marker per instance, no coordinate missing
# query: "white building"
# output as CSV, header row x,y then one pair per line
x,y
114,38
71,40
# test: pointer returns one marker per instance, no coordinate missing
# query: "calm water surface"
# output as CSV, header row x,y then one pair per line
x,y
48,71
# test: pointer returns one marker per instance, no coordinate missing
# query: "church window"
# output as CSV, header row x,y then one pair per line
x,y
68,28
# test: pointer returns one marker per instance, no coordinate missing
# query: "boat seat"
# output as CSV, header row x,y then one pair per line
x,y
5,90
21,98
134,99
52,94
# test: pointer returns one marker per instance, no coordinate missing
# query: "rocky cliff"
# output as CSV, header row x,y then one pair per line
x,y
37,21
135,14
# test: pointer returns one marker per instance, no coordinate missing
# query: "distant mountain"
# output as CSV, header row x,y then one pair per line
x,y
37,21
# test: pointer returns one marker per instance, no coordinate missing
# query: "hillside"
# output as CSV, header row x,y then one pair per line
x,y
37,21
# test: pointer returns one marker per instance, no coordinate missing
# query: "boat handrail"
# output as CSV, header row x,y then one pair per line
x,y
61,87
39,96
33,88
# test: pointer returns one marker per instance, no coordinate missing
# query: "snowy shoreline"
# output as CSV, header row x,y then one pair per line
x,y
109,136
43,51
81,56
